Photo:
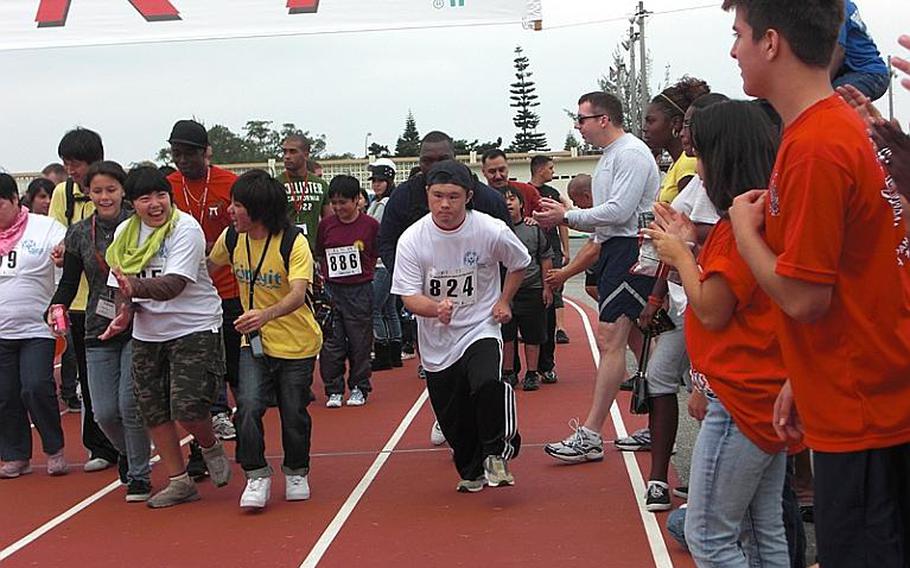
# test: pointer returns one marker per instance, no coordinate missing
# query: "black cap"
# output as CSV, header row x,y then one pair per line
x,y
451,171
189,132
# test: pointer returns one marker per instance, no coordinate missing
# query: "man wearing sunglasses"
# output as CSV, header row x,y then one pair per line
x,y
624,185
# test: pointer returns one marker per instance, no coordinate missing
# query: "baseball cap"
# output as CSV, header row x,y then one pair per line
x,y
382,169
451,171
189,132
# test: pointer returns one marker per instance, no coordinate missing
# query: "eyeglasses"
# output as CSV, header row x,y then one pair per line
x,y
580,119
687,123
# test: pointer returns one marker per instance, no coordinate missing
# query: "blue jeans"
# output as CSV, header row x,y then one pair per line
x,y
260,380
734,493
386,325
114,400
873,85
27,388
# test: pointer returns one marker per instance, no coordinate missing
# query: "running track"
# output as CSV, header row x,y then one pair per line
x,y
382,496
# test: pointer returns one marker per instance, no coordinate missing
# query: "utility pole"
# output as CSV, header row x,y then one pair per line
x,y
890,90
632,39
641,15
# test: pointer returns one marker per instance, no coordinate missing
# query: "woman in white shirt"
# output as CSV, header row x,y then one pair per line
x,y
27,388
157,261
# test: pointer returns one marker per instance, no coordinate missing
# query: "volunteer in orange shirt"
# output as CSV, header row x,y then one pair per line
x,y
738,464
204,191
834,259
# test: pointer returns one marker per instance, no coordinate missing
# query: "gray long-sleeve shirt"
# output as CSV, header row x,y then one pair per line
x,y
624,184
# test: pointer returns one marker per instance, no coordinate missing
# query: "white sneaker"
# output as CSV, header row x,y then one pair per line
x,y
334,401
297,488
357,398
437,438
257,492
96,464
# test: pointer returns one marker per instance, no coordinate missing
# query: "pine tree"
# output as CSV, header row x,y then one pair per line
x,y
571,142
409,142
524,99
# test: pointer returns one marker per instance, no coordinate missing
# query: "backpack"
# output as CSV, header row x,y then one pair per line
x,y
287,243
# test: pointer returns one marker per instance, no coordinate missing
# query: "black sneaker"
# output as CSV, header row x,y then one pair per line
x,y
73,405
123,469
421,373
531,382
561,337
658,497
549,377
682,492
195,467
807,513
510,377
138,491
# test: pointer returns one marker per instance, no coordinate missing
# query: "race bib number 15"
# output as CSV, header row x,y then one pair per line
x,y
458,286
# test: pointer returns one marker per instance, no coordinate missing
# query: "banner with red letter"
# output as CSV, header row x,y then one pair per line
x,y
30,24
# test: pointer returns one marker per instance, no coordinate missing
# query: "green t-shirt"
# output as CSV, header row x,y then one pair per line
x,y
307,196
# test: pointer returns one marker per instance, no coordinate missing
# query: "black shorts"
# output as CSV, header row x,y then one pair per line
x,y
529,316
862,508
619,292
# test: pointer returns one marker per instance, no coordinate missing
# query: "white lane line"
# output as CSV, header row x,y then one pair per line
x,y
652,528
68,514
329,534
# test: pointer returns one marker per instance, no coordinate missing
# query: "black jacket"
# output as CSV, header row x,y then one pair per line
x,y
408,204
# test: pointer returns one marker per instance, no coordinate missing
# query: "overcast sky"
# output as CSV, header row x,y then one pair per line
x,y
347,85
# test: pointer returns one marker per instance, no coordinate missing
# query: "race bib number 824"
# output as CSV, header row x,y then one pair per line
x,y
458,286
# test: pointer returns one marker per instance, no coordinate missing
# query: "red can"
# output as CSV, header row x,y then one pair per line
x,y
58,316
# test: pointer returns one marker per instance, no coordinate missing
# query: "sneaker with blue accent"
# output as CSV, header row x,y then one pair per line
x,y
582,446
357,398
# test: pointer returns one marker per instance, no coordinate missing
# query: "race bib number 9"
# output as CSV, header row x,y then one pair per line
x,y
343,261
8,264
458,286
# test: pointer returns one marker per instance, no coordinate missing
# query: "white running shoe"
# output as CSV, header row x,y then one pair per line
x,y
257,493
357,398
437,438
334,401
297,488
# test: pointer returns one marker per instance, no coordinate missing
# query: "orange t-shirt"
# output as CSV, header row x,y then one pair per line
x,y
212,215
832,220
742,362
530,195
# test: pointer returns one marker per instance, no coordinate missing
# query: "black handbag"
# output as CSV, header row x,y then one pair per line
x,y
641,402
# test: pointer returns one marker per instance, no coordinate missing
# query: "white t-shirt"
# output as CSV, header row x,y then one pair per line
x,y
624,185
693,201
27,280
197,307
463,266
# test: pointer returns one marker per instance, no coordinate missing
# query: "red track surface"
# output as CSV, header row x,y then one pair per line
x,y
586,515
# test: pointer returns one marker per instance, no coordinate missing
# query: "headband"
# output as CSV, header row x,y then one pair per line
x,y
676,106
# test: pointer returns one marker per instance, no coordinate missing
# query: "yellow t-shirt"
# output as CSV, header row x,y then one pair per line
x,y
292,336
683,167
82,209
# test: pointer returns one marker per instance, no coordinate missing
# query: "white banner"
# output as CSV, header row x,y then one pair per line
x,y
30,24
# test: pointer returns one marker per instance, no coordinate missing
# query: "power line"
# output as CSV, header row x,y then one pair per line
x,y
627,17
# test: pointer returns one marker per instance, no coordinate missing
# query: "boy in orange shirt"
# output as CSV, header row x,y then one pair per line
x,y
833,258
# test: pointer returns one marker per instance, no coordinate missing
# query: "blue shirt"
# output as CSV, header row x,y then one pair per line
x,y
860,52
